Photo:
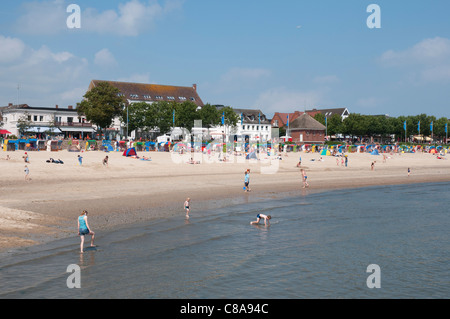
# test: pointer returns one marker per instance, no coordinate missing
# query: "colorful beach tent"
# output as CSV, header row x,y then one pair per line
x,y
375,152
130,152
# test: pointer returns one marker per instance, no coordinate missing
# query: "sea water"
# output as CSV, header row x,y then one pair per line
x,y
317,246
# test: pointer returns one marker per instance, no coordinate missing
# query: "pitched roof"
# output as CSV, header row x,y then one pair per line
x,y
283,117
154,92
252,116
305,121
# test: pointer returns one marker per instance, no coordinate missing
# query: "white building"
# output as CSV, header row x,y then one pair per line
x,y
45,120
253,126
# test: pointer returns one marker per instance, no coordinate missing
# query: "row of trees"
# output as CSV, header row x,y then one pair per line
x,y
104,103
369,125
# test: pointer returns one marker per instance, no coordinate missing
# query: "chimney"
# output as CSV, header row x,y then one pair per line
x,y
56,106
70,107
10,104
195,87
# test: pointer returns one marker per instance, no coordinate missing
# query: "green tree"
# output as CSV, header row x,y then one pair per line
x,y
135,115
319,117
24,123
334,124
231,117
186,114
209,115
102,104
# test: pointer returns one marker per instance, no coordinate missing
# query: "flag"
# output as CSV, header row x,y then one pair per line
x,y
223,118
404,126
259,118
173,119
431,127
242,118
287,120
418,127
446,127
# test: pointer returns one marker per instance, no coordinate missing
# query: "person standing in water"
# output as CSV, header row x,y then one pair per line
x,y
84,229
187,204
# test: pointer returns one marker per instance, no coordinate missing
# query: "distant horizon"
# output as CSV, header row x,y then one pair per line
x,y
370,59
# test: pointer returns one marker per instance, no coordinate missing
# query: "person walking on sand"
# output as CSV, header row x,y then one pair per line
x,y
187,204
27,173
262,216
409,171
247,180
372,166
26,158
80,160
105,161
304,178
84,229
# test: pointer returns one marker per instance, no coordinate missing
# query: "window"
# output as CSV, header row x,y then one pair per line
x,y
275,123
35,118
41,118
182,98
120,94
147,97
192,99
159,97
134,96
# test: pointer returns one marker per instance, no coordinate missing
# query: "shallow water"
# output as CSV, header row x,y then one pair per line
x,y
318,246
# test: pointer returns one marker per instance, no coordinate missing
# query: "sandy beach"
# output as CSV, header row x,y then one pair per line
x,y
130,190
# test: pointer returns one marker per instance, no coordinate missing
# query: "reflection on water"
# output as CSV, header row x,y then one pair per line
x,y
317,246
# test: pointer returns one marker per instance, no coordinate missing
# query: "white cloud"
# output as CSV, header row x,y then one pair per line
x,y
129,19
10,49
105,58
283,100
425,52
43,74
43,17
426,61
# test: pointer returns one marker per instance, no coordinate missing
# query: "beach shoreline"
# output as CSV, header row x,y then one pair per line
x,y
128,190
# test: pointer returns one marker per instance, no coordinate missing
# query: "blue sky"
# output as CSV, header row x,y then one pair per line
x,y
273,55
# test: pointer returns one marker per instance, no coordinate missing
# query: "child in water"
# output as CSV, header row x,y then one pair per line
x,y
186,206
262,216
